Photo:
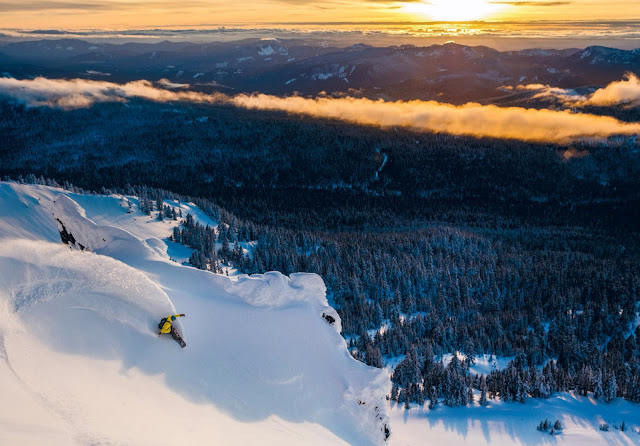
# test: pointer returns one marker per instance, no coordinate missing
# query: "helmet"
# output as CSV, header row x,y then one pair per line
x,y
173,318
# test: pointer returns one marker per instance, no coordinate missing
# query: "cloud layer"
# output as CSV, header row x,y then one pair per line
x,y
82,93
469,119
624,92
426,116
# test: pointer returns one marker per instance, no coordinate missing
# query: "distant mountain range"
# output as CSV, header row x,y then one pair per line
x,y
450,72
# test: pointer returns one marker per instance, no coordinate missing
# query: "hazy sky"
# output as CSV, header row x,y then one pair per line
x,y
57,14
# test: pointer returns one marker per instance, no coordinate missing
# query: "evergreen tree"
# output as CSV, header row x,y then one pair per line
x,y
634,392
373,357
483,394
597,389
611,388
433,397
454,390
394,392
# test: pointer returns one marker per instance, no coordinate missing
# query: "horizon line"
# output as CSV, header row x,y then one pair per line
x,y
368,22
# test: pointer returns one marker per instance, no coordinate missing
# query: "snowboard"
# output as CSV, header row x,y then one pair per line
x,y
178,338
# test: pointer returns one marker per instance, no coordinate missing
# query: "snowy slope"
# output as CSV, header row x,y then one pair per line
x,y
80,362
515,424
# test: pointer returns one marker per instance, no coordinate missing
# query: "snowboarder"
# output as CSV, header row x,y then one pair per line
x,y
166,326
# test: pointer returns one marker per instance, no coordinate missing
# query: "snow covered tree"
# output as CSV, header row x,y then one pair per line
x,y
597,389
145,205
634,392
394,392
611,388
455,389
373,357
483,395
433,397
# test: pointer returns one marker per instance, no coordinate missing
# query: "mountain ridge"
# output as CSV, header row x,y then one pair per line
x,y
450,72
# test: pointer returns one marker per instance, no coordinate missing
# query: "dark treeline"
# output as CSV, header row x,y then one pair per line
x,y
306,173
443,290
452,244
422,380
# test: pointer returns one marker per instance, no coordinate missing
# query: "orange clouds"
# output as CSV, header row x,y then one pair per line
x,y
435,117
623,92
426,116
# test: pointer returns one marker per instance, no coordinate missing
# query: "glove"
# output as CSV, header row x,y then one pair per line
x,y
183,315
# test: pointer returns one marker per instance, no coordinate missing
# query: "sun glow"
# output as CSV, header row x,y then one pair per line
x,y
454,10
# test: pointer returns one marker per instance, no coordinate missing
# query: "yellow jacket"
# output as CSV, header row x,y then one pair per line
x,y
166,328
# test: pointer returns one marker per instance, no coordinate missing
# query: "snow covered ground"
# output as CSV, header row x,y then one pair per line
x,y
80,362
483,365
502,423
515,423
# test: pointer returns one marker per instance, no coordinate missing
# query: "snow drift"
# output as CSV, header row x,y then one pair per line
x,y
82,364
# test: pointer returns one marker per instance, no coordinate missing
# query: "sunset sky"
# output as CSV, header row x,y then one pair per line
x,y
69,14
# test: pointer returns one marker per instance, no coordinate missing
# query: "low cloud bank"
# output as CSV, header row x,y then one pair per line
x,y
623,92
626,91
82,93
427,116
469,119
